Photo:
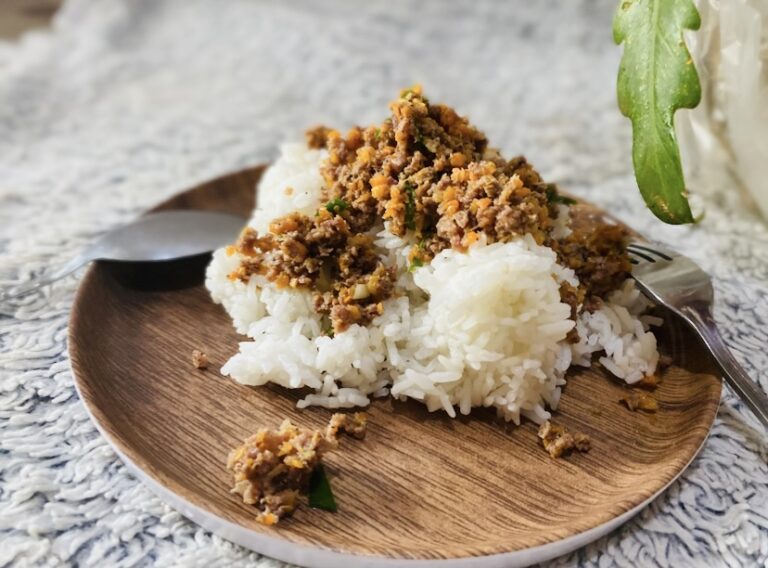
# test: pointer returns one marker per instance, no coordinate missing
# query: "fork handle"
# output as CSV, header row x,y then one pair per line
x,y
749,391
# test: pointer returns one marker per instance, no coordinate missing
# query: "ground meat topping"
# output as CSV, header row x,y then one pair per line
x,y
350,280
199,359
317,137
640,400
574,297
428,174
353,424
273,467
559,442
650,382
596,251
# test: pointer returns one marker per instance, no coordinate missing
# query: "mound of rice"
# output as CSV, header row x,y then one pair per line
x,y
481,328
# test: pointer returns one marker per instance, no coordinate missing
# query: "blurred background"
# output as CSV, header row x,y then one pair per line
x,y
159,94
18,16
724,144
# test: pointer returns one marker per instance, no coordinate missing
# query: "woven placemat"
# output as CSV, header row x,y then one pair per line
x,y
124,103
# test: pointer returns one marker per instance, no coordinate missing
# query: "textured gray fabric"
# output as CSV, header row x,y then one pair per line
x,y
125,103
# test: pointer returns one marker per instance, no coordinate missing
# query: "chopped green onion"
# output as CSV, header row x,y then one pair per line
x,y
410,206
415,263
410,93
336,206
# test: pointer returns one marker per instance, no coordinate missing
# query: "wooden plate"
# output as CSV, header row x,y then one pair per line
x,y
421,488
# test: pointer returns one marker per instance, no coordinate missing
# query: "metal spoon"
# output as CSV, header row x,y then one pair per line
x,y
166,235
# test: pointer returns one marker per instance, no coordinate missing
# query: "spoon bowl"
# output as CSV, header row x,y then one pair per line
x,y
167,235
155,237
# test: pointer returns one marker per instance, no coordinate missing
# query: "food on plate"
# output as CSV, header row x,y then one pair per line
x,y
411,259
273,468
559,442
640,400
199,359
650,382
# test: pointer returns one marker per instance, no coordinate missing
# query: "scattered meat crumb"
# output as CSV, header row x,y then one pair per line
x,y
639,400
648,382
199,359
272,468
353,424
559,442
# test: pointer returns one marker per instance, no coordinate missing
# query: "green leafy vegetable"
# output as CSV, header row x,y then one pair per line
x,y
320,494
554,197
410,206
657,77
419,136
416,262
413,92
377,134
336,206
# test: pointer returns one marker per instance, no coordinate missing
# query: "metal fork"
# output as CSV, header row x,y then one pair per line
x,y
676,282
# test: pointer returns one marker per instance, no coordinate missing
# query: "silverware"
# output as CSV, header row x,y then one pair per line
x,y
676,282
166,235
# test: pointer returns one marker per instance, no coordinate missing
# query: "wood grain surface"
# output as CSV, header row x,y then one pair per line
x,y
420,485
19,16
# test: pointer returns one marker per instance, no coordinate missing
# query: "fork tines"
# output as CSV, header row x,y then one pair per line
x,y
641,252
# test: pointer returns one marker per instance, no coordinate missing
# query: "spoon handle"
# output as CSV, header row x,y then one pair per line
x,y
28,287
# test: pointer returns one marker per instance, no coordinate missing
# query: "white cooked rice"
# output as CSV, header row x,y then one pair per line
x,y
482,328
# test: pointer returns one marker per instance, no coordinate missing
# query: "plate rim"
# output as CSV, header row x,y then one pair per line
x,y
320,556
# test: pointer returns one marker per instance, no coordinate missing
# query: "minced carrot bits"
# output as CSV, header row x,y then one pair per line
x,y
364,154
268,519
449,207
469,239
282,281
379,179
380,192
